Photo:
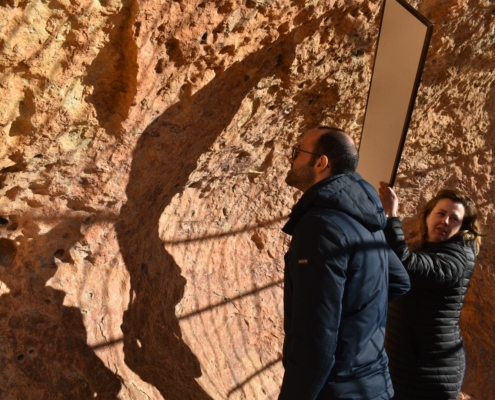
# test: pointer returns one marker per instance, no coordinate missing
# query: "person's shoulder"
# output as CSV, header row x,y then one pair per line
x,y
322,216
469,248
453,246
322,221
331,216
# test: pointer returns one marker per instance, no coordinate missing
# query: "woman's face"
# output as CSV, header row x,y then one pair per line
x,y
444,221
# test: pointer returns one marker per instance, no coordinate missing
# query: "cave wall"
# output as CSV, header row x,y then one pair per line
x,y
143,154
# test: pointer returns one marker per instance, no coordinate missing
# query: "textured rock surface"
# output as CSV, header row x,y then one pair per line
x,y
142,165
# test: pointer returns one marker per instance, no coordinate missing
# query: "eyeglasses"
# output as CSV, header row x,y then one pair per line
x,y
296,150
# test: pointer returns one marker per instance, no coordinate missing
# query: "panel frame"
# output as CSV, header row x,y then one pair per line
x,y
421,63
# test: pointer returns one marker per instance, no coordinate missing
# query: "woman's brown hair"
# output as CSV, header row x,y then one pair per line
x,y
470,228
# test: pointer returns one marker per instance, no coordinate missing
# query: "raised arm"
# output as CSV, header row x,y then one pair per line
x,y
439,267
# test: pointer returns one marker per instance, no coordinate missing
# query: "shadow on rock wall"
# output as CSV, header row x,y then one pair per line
x,y
165,156
113,73
43,350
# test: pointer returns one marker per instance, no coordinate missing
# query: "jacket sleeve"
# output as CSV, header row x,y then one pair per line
x,y
317,271
428,270
398,279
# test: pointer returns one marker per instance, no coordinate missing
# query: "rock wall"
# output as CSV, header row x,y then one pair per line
x,y
142,185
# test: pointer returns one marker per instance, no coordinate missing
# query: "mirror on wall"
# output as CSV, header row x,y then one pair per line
x,y
400,56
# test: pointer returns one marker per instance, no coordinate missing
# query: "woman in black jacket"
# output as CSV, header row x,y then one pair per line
x,y
423,339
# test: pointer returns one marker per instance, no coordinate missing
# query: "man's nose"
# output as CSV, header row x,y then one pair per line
x,y
290,159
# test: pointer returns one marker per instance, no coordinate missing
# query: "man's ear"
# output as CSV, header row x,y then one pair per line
x,y
322,164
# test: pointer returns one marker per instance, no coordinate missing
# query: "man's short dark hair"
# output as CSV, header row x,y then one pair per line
x,y
339,148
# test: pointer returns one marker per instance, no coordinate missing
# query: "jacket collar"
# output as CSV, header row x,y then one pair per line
x,y
305,202
347,193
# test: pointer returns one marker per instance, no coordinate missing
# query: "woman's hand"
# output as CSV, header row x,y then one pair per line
x,y
389,199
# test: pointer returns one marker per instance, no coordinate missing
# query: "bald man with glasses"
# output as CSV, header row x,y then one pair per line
x,y
340,275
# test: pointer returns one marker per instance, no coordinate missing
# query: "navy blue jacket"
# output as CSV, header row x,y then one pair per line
x,y
336,291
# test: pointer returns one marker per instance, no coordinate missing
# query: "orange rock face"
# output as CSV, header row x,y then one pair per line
x,y
143,156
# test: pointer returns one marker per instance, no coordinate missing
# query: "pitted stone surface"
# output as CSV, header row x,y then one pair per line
x,y
142,186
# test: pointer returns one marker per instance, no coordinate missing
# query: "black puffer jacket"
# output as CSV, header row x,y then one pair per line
x,y
339,275
423,340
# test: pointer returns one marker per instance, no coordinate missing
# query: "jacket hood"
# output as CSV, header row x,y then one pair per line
x,y
347,193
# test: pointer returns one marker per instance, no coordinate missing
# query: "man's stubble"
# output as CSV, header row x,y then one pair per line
x,y
301,177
